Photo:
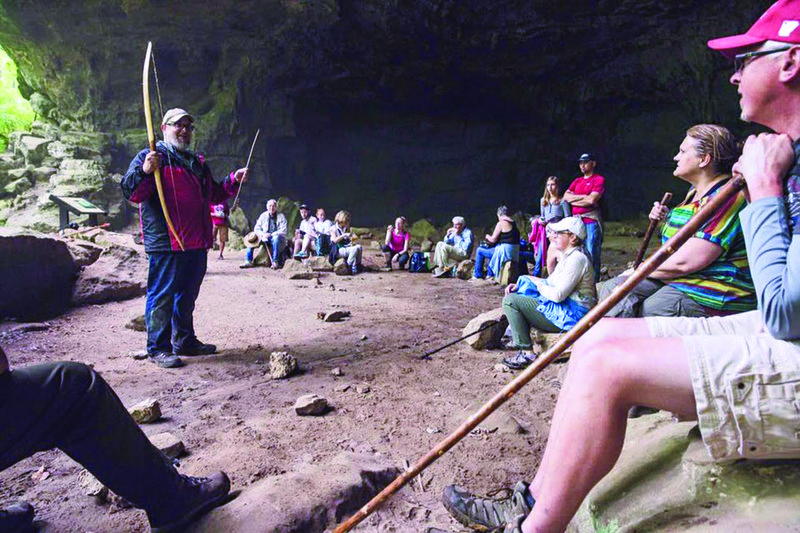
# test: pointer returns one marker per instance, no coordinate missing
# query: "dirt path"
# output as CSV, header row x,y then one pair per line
x,y
232,417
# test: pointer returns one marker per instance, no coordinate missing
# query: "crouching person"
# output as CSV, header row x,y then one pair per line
x,y
70,407
554,304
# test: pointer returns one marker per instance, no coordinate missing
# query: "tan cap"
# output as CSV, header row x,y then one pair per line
x,y
174,115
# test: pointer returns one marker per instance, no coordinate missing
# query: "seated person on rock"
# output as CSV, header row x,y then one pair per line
x,y
396,244
553,208
710,274
271,230
504,246
342,246
554,304
319,238
456,246
729,373
70,407
306,226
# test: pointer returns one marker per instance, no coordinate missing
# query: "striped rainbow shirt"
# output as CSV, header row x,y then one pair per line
x,y
724,286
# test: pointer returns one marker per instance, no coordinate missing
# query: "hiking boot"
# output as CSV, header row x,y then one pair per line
x,y
483,514
300,255
199,496
196,349
247,264
165,359
522,359
17,519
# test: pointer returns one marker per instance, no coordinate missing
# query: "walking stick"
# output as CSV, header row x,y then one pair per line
x,y
649,233
247,166
666,250
427,355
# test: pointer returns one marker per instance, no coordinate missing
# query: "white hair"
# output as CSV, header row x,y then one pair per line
x,y
272,201
459,220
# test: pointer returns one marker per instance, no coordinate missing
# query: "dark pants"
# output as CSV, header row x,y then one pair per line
x,y
526,257
69,406
651,297
173,283
389,253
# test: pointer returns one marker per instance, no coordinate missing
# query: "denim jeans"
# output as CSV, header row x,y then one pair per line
x,y
173,283
594,245
276,242
70,407
526,257
481,256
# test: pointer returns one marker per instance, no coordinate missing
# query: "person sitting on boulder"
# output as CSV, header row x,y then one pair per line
x,y
271,230
504,246
554,304
319,238
69,406
456,246
342,243
396,244
219,219
710,274
306,226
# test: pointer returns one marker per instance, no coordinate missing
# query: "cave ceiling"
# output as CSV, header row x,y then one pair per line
x,y
435,105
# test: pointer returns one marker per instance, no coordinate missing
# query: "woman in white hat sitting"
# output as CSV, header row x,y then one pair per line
x,y
554,304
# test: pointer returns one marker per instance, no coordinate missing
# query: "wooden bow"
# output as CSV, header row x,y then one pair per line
x,y
151,137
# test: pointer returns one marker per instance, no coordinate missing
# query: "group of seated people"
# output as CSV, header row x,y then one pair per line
x,y
707,276
314,235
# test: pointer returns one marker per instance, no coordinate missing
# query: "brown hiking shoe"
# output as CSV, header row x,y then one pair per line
x,y
197,497
483,514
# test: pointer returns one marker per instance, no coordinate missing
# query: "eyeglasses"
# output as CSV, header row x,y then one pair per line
x,y
187,127
742,60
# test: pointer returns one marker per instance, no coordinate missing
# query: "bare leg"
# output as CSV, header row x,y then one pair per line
x,y
604,381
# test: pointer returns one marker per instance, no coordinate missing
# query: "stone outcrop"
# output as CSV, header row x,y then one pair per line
x,y
312,499
665,481
119,273
37,274
410,102
495,323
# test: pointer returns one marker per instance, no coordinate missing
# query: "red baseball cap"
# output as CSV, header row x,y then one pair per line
x,y
781,22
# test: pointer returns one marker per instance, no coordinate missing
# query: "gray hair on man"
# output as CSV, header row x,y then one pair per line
x,y
272,201
459,220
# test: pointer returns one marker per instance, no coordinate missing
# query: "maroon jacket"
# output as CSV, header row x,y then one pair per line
x,y
189,189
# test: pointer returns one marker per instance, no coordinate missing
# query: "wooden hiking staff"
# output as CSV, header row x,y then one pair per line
x,y
247,166
649,233
661,255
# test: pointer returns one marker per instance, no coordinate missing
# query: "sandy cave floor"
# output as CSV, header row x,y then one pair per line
x,y
232,417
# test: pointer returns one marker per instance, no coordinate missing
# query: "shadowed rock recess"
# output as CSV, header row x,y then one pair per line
x,y
423,107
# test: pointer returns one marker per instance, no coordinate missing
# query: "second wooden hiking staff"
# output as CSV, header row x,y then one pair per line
x,y
622,290
649,233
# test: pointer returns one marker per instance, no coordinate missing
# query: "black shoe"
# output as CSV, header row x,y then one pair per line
x,y
165,359
199,496
17,519
196,349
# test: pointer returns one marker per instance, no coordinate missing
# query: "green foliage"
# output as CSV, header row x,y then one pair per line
x,y
16,113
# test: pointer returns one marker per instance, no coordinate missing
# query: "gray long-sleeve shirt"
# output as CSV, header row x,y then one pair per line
x,y
772,235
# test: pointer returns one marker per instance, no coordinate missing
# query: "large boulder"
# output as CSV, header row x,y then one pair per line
x,y
665,481
37,274
119,273
312,499
423,230
33,148
495,324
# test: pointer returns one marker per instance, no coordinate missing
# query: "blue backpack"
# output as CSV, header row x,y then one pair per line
x,y
420,262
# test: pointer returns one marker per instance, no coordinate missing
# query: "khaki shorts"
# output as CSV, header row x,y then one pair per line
x,y
746,384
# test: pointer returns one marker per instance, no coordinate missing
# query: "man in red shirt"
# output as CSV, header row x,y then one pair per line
x,y
584,195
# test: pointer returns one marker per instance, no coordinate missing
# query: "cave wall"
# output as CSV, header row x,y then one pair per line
x,y
423,107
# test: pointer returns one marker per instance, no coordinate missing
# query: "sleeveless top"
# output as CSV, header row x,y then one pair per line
x,y
509,237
